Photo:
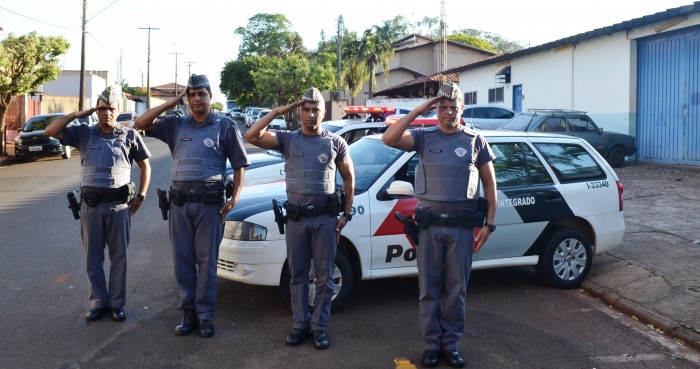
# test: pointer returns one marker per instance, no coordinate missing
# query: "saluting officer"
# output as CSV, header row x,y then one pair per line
x,y
312,155
109,199
452,160
200,143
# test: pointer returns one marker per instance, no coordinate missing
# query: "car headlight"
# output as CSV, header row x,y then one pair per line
x,y
244,231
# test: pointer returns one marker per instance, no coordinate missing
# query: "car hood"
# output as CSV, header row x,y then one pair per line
x,y
32,134
617,136
257,199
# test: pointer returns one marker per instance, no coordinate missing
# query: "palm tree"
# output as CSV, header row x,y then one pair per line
x,y
375,49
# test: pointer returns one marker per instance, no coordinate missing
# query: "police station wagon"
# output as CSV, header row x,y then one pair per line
x,y
559,204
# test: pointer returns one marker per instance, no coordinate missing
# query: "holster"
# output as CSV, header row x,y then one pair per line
x,y
336,203
422,218
409,227
73,204
280,219
163,203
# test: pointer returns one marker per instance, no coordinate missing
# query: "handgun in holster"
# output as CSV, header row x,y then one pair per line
x,y
163,203
409,227
280,219
73,204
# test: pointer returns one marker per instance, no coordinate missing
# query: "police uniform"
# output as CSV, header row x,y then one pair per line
x,y
105,218
446,245
310,167
197,194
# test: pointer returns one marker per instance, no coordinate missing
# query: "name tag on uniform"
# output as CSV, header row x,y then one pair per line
x,y
298,155
186,139
435,150
95,148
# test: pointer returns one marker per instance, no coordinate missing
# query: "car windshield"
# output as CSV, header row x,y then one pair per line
x,y
330,128
123,117
518,123
370,158
39,123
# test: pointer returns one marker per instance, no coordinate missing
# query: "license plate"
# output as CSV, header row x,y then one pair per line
x,y
35,148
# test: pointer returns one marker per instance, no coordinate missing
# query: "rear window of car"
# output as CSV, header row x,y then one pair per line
x,y
571,162
519,122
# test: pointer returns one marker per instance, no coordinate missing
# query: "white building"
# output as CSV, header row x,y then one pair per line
x,y
640,77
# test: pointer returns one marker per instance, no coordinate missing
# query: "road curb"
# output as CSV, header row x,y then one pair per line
x,y
666,325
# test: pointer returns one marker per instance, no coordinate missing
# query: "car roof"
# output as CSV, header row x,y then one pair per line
x,y
507,133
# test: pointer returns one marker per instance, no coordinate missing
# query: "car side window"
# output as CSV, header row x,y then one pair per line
x,y
552,124
582,124
509,165
536,169
497,113
570,162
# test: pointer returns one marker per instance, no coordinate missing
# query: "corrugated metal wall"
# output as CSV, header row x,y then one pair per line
x,y
668,105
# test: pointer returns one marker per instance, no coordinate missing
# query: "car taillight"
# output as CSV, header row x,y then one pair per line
x,y
620,190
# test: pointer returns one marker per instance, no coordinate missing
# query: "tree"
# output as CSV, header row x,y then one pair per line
x,y
27,62
283,80
375,49
217,106
238,83
501,45
473,41
268,35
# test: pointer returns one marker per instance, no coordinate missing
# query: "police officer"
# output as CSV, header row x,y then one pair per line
x,y
452,160
200,143
109,199
312,155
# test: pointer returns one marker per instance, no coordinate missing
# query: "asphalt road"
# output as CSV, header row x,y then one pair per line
x,y
513,320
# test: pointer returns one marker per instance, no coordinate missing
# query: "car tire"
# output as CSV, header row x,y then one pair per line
x,y
66,152
566,259
616,157
342,282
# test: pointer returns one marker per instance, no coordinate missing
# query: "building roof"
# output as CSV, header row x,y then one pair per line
x,y
666,15
419,87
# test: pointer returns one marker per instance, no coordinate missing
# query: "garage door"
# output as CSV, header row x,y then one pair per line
x,y
668,99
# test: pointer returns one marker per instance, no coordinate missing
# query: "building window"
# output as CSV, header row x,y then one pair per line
x,y
470,98
496,95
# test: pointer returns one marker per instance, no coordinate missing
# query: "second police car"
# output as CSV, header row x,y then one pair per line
x,y
559,204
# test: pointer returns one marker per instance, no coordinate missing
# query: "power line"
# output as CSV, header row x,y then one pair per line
x,y
105,8
40,21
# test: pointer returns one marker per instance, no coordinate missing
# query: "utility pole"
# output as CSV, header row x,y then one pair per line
x,y
176,54
189,69
339,40
148,67
443,34
82,60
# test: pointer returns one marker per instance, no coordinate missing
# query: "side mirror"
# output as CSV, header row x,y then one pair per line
x,y
600,130
397,189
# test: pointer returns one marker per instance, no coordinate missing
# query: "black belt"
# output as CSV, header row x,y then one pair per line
x,y
179,197
307,210
95,195
446,220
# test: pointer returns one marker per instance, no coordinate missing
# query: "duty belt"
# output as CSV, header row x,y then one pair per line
x,y
306,211
447,220
95,195
179,197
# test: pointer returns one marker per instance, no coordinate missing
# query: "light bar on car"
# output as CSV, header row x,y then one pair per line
x,y
369,109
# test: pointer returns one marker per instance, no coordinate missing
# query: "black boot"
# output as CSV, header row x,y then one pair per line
x,y
188,323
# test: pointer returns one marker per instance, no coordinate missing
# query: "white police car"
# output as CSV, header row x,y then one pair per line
x,y
559,203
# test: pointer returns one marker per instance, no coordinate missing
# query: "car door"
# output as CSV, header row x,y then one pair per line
x,y
584,127
528,200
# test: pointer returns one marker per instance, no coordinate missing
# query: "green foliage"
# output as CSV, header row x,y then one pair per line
x,y
217,106
238,83
473,41
375,49
268,35
27,62
499,43
284,80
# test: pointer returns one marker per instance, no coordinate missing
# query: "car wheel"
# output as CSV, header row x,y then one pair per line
x,y
66,152
616,158
342,282
566,259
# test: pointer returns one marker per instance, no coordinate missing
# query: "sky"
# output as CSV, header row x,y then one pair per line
x,y
198,37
